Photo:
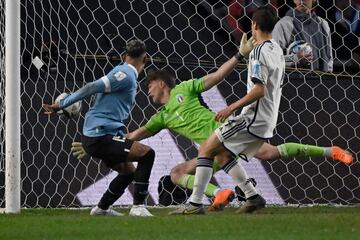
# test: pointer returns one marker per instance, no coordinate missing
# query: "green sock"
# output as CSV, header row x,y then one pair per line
x,y
288,150
187,181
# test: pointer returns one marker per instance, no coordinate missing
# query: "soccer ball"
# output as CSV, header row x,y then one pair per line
x,y
296,46
70,111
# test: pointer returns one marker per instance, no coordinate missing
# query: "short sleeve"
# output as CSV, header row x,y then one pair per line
x,y
155,124
116,80
259,70
194,86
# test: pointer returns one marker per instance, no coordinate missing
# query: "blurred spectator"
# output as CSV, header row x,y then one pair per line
x,y
305,37
240,13
347,16
346,19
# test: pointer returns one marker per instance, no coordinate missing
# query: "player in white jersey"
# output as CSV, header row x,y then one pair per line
x,y
244,134
266,67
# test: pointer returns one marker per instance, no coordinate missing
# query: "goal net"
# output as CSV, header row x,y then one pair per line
x,y
2,99
80,41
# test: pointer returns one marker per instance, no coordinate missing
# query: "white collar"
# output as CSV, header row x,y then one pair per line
x,y
133,68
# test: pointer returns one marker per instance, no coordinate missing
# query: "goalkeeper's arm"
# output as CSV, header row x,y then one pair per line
x,y
139,134
245,48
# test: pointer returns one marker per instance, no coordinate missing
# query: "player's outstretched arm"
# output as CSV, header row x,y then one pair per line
x,y
139,134
89,89
256,93
214,78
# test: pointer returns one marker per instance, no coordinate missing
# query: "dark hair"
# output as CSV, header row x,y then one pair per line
x,y
265,19
163,75
135,48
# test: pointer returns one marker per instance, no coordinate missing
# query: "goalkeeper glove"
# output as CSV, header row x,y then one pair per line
x,y
78,150
246,45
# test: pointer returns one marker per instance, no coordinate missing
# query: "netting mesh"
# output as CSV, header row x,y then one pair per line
x,y
2,94
80,41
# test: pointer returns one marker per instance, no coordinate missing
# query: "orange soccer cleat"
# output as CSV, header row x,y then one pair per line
x,y
341,155
221,199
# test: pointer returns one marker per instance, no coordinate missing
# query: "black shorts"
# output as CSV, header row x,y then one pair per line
x,y
111,149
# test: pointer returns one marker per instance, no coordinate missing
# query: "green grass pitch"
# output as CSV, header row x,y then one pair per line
x,y
270,223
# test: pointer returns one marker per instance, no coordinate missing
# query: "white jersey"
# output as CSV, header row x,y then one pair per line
x,y
266,66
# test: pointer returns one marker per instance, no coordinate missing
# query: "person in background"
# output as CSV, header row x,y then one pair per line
x,y
240,12
305,38
345,16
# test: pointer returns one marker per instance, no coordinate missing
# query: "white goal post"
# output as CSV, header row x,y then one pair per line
x,y
12,106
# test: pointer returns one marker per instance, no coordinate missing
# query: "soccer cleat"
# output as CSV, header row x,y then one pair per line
x,y
139,211
221,199
188,209
96,211
341,155
240,195
252,205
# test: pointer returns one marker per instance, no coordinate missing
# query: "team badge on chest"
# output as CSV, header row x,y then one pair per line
x,y
179,98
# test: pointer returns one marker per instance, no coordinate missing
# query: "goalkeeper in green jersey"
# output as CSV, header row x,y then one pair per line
x,y
183,113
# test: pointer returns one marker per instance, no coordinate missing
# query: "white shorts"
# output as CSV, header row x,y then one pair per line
x,y
236,138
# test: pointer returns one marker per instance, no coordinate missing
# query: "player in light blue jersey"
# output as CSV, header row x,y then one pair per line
x,y
104,130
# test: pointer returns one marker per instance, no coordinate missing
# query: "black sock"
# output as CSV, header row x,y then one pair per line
x,y
253,197
141,177
140,193
115,190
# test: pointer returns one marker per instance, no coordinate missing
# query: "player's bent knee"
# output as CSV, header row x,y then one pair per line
x,y
150,153
204,151
138,151
222,158
211,147
175,174
267,154
146,149
221,161
124,168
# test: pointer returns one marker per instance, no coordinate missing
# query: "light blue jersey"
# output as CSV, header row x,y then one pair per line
x,y
115,96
